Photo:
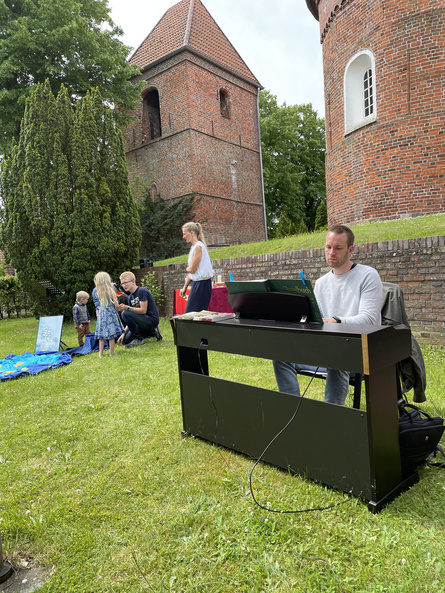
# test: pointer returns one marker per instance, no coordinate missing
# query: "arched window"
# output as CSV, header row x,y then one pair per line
x,y
151,116
359,91
153,191
224,105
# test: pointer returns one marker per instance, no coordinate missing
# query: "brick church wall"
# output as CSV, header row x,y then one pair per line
x,y
394,167
416,265
200,151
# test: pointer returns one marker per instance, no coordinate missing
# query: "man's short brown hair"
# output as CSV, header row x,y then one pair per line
x,y
342,229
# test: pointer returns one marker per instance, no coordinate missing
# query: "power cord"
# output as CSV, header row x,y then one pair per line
x,y
265,451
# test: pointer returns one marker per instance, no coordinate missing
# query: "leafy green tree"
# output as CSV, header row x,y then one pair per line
x,y
293,150
69,42
161,224
68,208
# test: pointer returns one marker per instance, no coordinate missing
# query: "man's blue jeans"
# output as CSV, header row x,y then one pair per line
x,y
337,382
137,324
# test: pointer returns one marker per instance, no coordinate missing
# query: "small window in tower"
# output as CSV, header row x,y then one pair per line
x,y
154,191
224,103
359,91
151,116
368,101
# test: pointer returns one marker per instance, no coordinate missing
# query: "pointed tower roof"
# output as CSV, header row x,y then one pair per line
x,y
189,25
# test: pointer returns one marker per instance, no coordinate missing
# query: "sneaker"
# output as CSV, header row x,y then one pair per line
x,y
158,334
134,343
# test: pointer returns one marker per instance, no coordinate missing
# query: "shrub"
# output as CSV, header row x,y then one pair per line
x,y
12,297
151,281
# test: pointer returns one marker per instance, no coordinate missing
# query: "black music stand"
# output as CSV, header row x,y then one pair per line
x,y
46,291
52,293
275,306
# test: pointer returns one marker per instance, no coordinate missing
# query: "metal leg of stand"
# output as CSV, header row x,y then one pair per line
x,y
357,390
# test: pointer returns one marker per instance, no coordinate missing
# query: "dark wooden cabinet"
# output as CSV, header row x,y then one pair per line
x,y
349,449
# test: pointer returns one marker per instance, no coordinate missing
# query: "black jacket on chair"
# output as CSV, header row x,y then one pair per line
x,y
412,369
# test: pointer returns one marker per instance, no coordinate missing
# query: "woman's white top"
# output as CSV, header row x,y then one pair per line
x,y
205,270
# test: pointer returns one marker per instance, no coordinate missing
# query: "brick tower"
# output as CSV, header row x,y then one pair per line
x,y
384,75
197,127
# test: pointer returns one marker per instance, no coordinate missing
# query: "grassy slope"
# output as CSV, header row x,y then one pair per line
x,y
98,486
409,228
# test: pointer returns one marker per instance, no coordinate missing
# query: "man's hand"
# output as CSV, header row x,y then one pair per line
x,y
329,320
121,338
123,307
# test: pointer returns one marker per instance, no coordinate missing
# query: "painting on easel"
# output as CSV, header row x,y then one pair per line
x,y
49,334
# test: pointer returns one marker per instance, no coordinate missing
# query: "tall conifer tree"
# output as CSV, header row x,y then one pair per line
x,y
68,208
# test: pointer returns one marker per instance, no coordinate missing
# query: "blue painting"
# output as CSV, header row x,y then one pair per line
x,y
49,334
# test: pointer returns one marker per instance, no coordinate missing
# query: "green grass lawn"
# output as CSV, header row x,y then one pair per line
x,y
99,488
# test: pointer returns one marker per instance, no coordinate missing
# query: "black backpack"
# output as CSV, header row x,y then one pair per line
x,y
419,436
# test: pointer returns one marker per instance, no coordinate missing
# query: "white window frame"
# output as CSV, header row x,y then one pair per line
x,y
357,90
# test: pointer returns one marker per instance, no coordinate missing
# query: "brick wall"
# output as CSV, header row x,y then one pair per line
x,y
416,265
201,151
394,167
9,270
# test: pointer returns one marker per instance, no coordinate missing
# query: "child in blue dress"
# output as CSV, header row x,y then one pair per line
x,y
109,325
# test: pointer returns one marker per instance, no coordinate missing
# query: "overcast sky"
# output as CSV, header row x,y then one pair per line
x,y
278,40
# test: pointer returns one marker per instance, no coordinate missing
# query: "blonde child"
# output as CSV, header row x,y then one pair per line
x,y
109,326
81,316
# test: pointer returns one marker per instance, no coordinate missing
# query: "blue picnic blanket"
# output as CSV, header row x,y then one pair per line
x,y
91,344
20,365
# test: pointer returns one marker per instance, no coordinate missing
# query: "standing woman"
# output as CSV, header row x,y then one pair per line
x,y
199,269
